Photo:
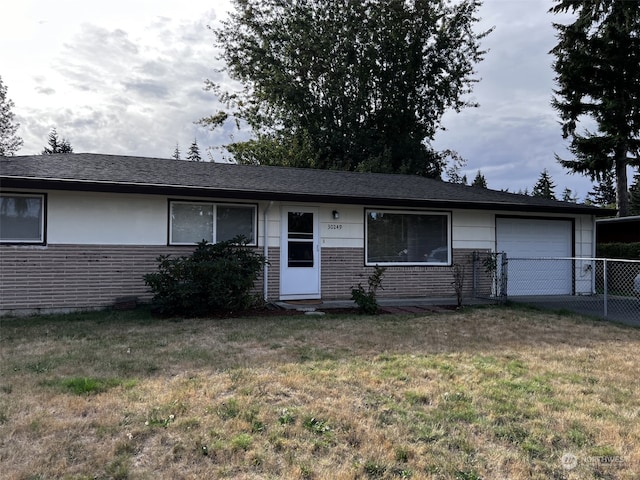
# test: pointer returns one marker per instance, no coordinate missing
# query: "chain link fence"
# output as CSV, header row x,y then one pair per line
x,y
599,287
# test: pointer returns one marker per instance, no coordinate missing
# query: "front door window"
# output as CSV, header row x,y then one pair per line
x,y
300,239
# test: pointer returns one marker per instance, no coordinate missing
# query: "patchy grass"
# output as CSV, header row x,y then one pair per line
x,y
482,393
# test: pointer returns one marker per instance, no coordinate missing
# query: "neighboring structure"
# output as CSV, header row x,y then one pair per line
x,y
80,230
618,230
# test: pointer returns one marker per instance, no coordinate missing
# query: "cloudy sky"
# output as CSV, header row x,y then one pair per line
x,y
127,77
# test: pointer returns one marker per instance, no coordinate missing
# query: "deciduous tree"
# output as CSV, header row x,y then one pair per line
x,y
10,143
597,65
359,85
455,165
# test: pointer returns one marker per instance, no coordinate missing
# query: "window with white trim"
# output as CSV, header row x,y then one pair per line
x,y
407,238
22,218
192,222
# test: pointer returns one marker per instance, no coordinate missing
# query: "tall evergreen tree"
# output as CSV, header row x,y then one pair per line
x,y
55,145
194,152
545,187
479,180
10,143
597,62
569,196
354,85
176,152
604,192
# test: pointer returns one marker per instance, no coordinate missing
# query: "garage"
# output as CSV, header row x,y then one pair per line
x,y
546,240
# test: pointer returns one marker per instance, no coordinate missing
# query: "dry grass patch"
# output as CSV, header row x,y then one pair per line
x,y
482,393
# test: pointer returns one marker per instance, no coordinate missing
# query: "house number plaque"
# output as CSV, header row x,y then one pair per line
x,y
335,226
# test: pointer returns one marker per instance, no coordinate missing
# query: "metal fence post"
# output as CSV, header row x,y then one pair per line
x,y
504,295
604,278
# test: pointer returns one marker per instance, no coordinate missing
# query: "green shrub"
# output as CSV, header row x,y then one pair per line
x,y
628,251
214,278
366,299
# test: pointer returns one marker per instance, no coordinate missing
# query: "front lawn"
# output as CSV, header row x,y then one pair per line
x,y
485,393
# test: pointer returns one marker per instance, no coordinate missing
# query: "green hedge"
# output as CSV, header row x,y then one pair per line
x,y
629,251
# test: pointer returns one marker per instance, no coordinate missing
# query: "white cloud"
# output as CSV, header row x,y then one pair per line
x,y
514,134
127,78
113,82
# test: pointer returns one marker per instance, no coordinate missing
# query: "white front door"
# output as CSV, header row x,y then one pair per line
x,y
299,254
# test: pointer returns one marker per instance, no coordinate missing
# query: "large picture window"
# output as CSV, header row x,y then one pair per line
x,y
21,218
407,238
192,222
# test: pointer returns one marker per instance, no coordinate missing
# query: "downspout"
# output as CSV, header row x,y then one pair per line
x,y
265,276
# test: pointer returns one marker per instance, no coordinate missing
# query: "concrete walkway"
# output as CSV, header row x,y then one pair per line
x,y
623,310
389,305
619,309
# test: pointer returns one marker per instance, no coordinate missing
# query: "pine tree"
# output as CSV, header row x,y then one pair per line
x,y
10,143
544,187
176,152
194,152
55,145
604,192
479,180
568,196
597,62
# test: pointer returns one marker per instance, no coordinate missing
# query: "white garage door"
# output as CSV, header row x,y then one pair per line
x,y
525,239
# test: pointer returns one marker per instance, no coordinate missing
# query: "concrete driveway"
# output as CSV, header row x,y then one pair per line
x,y
618,309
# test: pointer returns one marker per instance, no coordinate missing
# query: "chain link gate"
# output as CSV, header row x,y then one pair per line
x,y
599,287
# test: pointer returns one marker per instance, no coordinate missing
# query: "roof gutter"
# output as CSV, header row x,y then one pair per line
x,y
197,191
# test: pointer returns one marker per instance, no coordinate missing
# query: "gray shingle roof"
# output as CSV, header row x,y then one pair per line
x,y
96,172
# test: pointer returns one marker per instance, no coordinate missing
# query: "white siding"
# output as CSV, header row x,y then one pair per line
x,y
123,219
474,229
585,233
585,247
347,231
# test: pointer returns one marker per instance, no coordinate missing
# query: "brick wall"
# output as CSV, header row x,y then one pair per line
x,y
343,268
59,277
274,274
66,277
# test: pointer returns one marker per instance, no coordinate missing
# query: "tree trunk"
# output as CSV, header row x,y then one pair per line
x,y
622,190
